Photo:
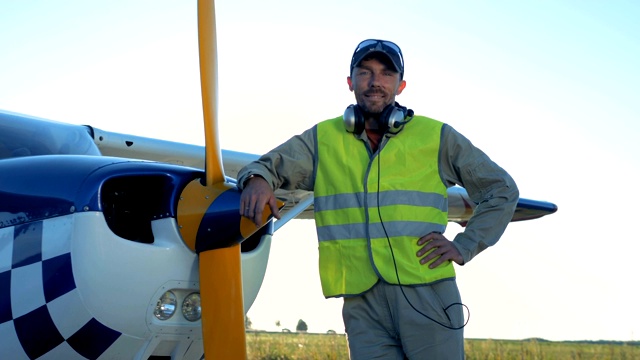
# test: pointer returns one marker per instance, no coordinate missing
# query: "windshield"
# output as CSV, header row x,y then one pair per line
x,y
26,136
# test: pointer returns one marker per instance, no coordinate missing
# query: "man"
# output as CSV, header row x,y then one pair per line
x,y
379,176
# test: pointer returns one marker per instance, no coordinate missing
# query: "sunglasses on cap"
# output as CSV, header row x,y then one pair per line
x,y
383,46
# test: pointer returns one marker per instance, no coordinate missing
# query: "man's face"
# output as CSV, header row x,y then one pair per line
x,y
375,85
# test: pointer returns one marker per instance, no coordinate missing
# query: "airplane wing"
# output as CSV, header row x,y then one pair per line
x,y
299,203
461,207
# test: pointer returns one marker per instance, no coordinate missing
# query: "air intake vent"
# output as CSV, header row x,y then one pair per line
x,y
130,203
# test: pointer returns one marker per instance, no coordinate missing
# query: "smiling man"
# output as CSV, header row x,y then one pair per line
x,y
380,176
376,81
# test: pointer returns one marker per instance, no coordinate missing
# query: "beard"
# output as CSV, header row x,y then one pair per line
x,y
373,107
371,110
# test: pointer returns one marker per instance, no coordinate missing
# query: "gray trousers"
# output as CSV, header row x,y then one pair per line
x,y
382,324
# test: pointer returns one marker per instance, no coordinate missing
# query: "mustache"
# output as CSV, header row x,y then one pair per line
x,y
374,92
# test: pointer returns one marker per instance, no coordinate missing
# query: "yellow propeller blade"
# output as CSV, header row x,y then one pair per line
x,y
209,84
220,269
209,219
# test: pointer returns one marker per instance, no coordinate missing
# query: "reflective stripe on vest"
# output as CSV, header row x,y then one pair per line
x,y
365,225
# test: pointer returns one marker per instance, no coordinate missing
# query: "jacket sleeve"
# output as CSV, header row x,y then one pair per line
x,y
289,166
492,189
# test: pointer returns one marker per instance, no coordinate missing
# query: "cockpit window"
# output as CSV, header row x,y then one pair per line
x,y
26,136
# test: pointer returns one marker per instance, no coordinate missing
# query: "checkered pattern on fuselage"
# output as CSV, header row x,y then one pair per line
x,y
41,311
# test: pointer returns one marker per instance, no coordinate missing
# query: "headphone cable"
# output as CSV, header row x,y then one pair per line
x,y
395,266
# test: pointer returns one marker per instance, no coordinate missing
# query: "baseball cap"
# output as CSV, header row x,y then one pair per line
x,y
388,48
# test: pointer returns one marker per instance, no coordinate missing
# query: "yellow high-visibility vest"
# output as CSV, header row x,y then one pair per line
x,y
371,211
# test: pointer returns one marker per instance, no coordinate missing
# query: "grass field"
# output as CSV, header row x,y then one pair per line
x,y
302,346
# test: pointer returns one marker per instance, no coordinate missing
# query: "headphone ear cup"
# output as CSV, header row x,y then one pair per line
x,y
392,119
396,120
353,120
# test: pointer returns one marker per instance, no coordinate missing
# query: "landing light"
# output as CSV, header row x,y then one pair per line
x,y
166,306
191,309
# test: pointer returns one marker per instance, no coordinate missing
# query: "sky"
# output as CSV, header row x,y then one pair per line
x,y
550,90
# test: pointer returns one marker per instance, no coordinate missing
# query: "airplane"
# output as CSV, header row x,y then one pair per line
x,y
115,246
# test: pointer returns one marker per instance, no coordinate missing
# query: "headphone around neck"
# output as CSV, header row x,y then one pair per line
x,y
391,121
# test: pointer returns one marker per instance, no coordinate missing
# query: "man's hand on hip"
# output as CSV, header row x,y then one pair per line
x,y
443,250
